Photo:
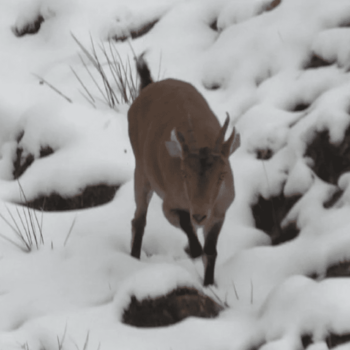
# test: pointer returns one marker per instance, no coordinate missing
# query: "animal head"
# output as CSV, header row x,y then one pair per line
x,y
203,170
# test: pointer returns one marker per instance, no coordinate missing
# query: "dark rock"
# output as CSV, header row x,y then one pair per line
x,y
45,151
170,308
329,203
300,107
306,340
264,153
330,160
21,165
268,215
334,340
314,275
214,25
316,61
288,233
29,28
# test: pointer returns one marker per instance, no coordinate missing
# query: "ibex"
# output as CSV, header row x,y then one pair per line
x,y
181,155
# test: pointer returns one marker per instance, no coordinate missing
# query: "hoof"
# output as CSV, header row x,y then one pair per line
x,y
194,253
209,282
135,253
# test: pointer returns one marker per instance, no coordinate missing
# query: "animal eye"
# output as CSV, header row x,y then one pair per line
x,y
222,176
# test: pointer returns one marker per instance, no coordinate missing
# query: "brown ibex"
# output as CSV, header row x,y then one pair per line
x,y
182,156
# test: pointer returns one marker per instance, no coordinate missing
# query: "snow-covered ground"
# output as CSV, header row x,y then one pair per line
x,y
248,57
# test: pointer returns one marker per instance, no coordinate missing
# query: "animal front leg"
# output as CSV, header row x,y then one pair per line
x,y
195,248
181,219
210,253
138,228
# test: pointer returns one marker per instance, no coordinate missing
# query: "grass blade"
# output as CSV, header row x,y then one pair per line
x,y
235,290
38,225
82,84
27,241
10,240
53,88
94,80
70,231
31,234
87,99
118,74
86,340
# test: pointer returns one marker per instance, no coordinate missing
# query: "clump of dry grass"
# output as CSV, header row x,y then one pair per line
x,y
25,223
117,83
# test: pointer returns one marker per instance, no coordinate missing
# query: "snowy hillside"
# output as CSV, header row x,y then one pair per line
x,y
281,70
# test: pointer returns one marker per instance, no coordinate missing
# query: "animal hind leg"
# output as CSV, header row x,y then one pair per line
x,y
143,194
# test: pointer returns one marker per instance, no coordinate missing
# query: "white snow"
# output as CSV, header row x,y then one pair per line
x,y
71,290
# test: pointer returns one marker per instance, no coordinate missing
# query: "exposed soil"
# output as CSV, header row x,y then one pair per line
x,y
342,269
273,5
170,308
332,340
21,165
138,32
90,196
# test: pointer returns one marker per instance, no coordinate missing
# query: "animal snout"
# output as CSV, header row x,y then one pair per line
x,y
199,218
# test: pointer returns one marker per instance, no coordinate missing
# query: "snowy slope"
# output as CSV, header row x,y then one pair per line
x,y
282,72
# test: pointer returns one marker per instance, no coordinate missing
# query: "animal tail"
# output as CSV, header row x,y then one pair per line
x,y
143,71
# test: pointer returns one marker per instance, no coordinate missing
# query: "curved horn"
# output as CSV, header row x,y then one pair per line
x,y
221,135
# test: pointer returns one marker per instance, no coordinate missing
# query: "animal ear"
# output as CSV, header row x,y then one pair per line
x,y
229,146
174,146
